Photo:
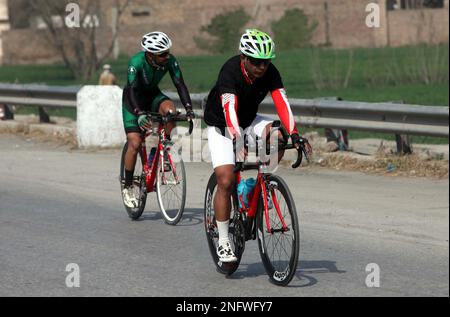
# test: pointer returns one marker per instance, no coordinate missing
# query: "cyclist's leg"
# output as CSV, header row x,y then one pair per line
x,y
134,140
134,143
222,157
162,104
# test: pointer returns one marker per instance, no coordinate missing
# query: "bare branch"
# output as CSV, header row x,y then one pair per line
x,y
78,47
120,10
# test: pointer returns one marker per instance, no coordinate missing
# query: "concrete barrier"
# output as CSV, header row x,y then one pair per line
x,y
99,117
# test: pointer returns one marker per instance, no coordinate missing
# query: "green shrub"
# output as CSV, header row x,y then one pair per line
x,y
225,30
293,30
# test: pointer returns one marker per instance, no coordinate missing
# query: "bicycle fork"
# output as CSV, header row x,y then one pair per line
x,y
265,188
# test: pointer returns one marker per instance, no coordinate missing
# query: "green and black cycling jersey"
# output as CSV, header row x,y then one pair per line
x,y
142,93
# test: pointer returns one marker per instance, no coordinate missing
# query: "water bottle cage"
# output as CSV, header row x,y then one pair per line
x,y
242,207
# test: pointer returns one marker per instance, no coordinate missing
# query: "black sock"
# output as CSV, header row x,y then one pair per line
x,y
128,178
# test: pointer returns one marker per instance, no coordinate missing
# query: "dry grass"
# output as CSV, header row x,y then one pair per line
x,y
62,140
66,139
383,162
386,164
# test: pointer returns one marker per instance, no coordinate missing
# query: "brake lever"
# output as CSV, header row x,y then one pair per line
x,y
299,158
191,127
303,147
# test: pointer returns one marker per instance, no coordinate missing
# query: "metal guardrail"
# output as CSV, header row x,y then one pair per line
x,y
39,95
376,117
316,113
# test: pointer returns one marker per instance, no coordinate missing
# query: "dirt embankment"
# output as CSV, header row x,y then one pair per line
x,y
379,157
372,156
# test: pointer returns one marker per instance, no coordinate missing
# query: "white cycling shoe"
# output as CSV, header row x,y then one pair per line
x,y
225,253
129,198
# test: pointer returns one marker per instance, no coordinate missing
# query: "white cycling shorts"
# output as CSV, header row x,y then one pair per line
x,y
221,147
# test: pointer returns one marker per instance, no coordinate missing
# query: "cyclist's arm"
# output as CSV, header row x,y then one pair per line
x,y
229,104
280,100
284,110
132,87
228,97
180,85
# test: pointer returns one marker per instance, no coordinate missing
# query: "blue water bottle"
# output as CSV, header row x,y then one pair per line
x,y
245,189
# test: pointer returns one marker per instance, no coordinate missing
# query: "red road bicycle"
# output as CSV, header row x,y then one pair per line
x,y
271,218
165,174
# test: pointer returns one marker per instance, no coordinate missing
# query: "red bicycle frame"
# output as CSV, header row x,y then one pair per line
x,y
261,188
150,179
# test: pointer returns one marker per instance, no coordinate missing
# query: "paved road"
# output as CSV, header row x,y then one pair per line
x,y
59,206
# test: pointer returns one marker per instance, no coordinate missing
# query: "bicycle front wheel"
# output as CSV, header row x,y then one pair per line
x,y
278,234
171,185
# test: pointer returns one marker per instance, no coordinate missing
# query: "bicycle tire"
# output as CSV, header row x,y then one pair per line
x,y
172,216
236,230
138,180
280,272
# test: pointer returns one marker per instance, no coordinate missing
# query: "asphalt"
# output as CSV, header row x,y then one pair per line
x,y
60,206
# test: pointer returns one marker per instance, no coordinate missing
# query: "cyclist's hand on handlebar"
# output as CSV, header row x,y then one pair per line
x,y
144,122
302,143
190,113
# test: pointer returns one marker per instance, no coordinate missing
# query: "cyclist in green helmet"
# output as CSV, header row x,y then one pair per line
x,y
231,113
145,70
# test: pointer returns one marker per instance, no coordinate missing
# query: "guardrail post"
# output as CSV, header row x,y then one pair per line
x,y
43,116
340,137
6,113
403,144
402,140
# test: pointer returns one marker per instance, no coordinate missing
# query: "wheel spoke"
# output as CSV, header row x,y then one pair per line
x,y
280,247
170,194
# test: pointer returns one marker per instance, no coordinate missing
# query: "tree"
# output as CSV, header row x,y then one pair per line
x,y
225,30
293,30
77,44
19,14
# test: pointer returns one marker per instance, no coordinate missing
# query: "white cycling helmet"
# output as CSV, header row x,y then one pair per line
x,y
257,44
156,42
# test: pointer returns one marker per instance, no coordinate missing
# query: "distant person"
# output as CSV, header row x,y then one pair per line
x,y
107,78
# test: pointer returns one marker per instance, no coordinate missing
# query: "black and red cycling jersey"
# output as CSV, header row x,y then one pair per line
x,y
235,99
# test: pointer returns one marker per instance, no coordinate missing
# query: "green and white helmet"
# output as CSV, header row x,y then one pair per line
x,y
257,44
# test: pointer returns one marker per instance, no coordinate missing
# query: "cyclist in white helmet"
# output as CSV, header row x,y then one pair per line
x,y
231,112
145,70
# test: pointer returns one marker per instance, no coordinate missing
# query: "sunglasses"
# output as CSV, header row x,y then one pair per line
x,y
259,61
163,55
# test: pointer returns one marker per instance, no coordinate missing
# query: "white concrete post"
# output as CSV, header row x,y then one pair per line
x,y
99,117
4,24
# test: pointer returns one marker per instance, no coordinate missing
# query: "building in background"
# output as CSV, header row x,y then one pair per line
x,y
341,24
4,24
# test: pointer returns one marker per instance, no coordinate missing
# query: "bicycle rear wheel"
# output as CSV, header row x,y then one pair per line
x,y
279,248
139,185
236,230
171,185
